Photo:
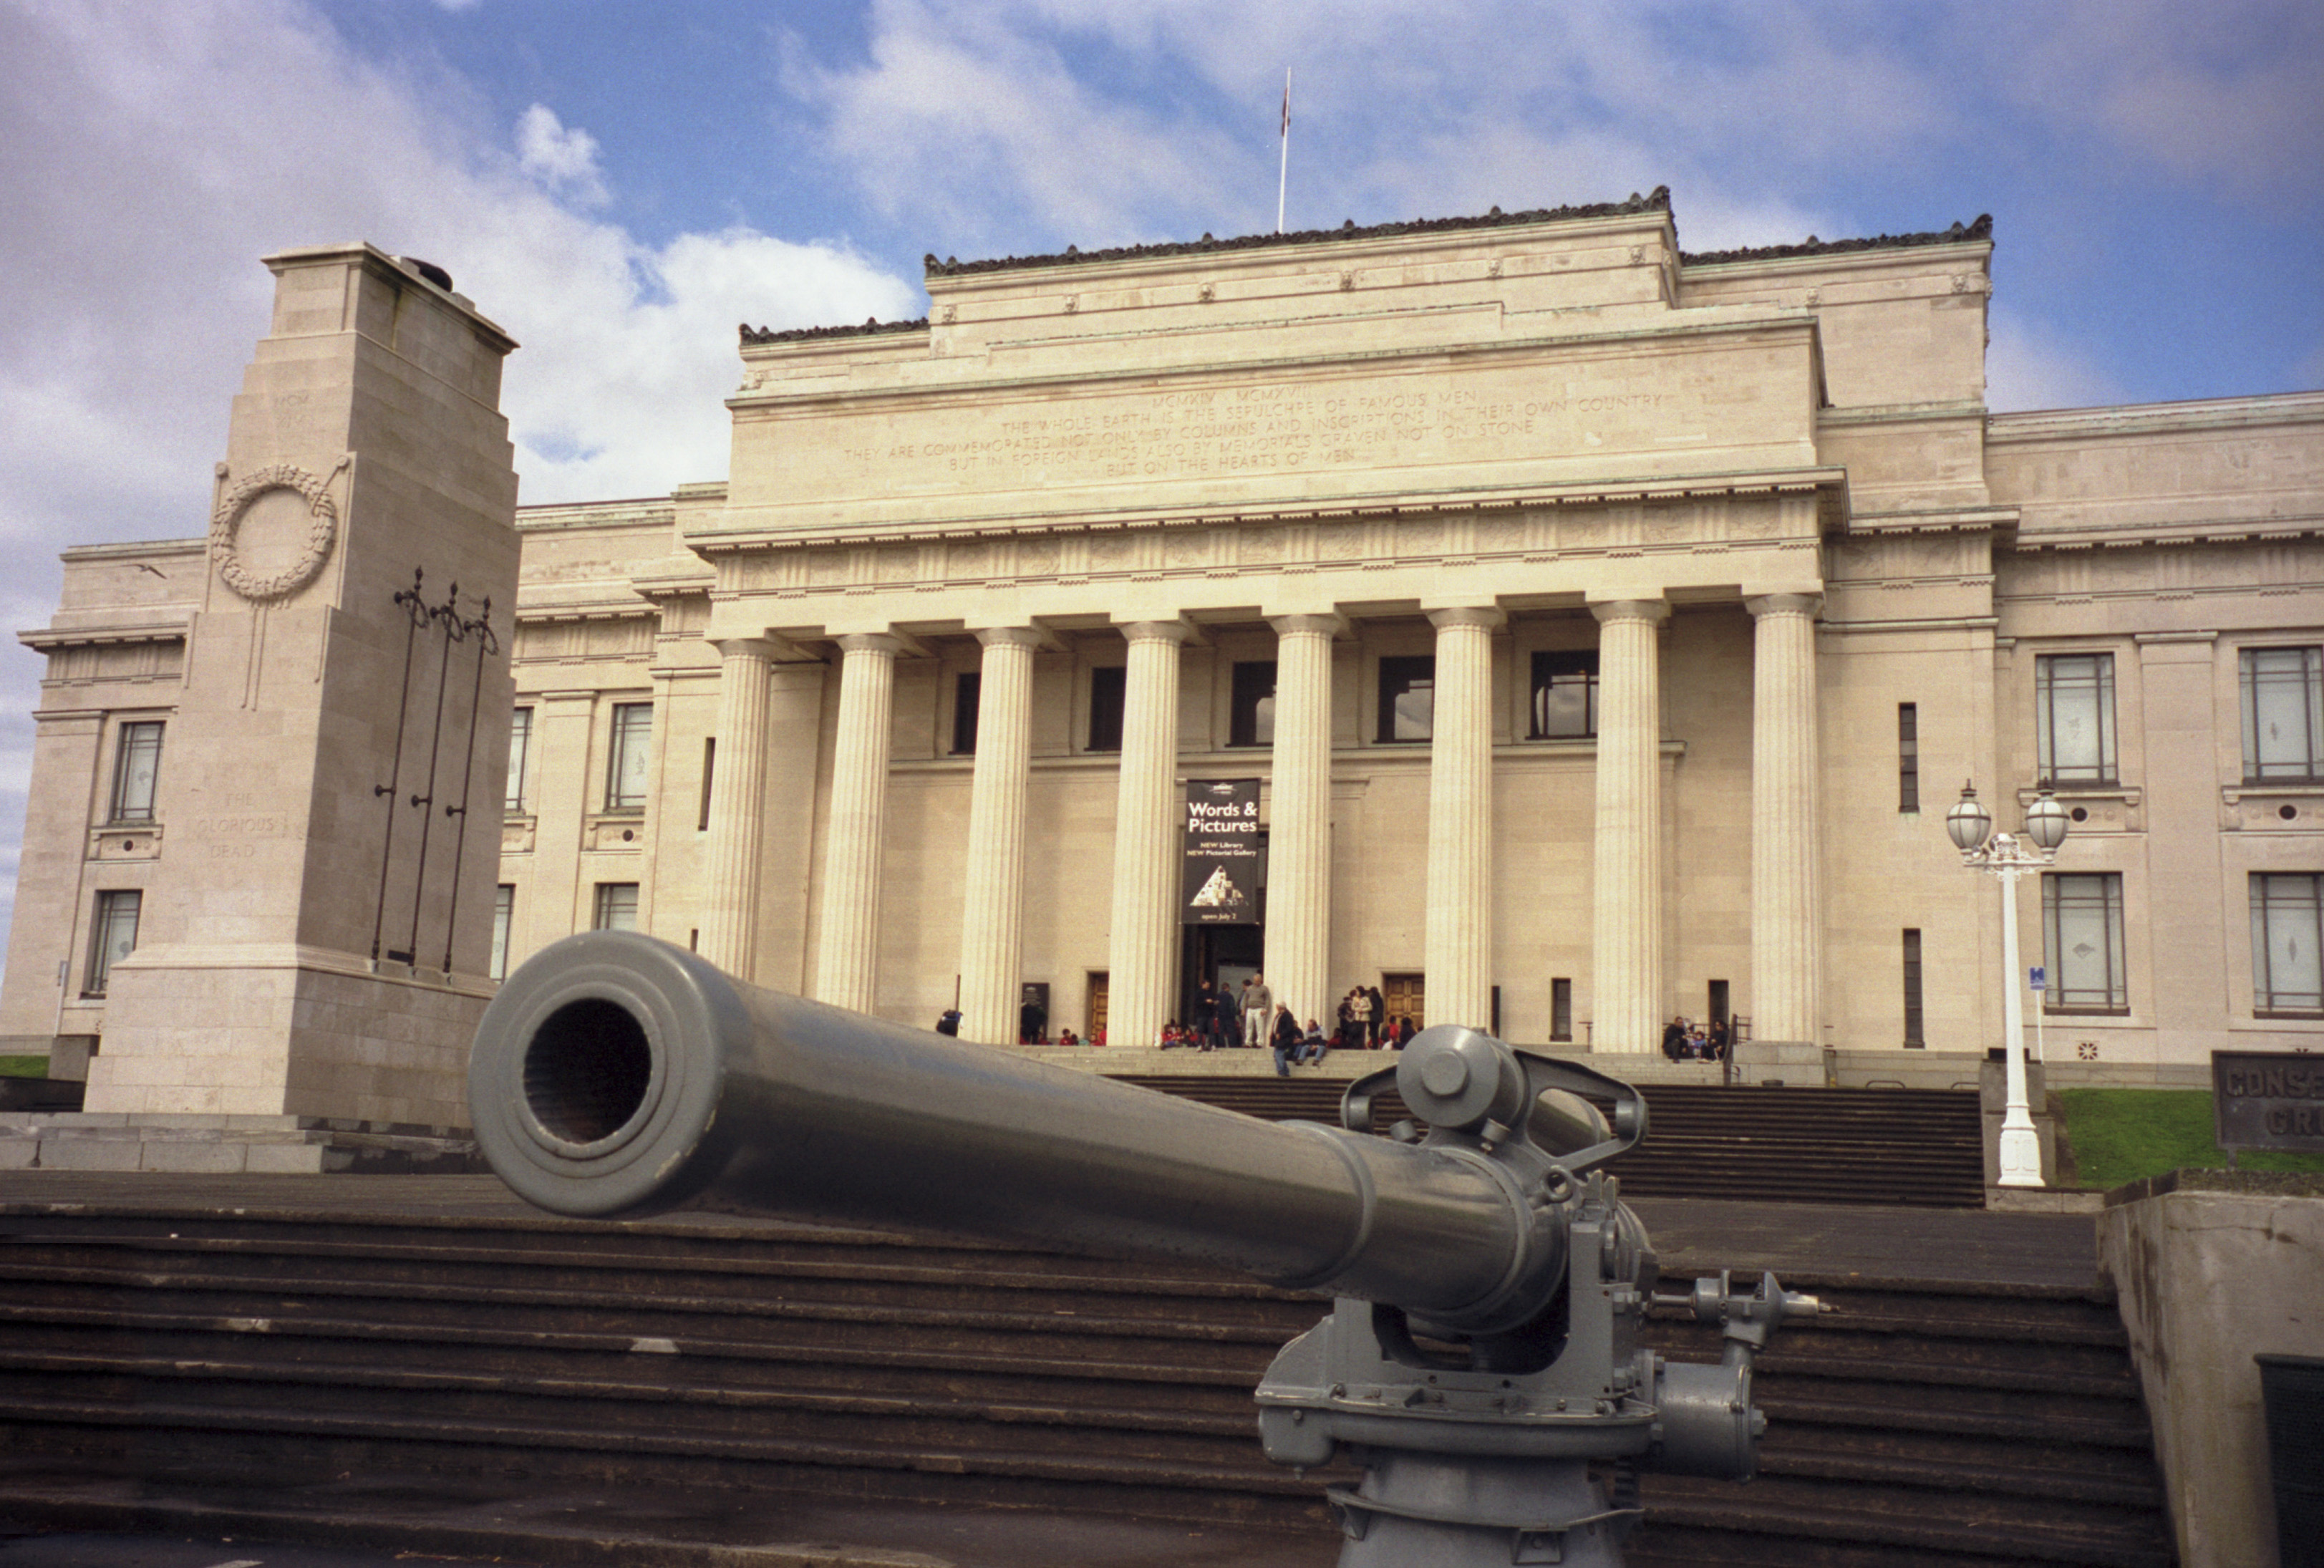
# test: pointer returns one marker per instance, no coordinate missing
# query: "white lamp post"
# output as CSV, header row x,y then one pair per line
x,y
2005,856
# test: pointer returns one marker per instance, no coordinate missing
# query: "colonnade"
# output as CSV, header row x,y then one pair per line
x,y
1627,981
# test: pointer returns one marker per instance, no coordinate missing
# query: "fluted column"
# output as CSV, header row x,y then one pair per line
x,y
1299,831
1626,971
738,787
1459,949
847,952
993,906
1146,838
1785,956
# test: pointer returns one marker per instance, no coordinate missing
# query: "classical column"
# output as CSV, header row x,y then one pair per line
x,y
1299,831
1146,838
1786,956
1459,948
847,965
1627,972
738,787
992,918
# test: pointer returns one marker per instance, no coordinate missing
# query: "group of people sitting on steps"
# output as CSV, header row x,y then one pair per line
x,y
1691,1042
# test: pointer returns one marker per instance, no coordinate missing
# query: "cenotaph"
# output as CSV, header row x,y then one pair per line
x,y
314,951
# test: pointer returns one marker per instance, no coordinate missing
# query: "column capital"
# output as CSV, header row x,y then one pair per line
x,y
1172,631
885,643
1334,626
1491,617
1654,612
1808,604
766,650
1035,637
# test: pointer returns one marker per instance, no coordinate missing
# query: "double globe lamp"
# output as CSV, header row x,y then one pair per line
x,y
2009,856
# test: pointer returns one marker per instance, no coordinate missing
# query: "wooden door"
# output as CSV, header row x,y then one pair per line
x,y
1407,998
1096,1020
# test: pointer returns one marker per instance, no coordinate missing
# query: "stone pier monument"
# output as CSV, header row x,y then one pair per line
x,y
311,948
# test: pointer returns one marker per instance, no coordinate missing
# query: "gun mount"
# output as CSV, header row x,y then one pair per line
x,y
1487,1281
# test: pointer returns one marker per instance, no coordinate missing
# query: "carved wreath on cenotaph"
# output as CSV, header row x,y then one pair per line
x,y
225,522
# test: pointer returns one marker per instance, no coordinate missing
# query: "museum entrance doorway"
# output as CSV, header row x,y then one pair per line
x,y
1225,956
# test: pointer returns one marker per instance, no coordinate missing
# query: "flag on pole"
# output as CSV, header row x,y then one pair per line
x,y
1283,179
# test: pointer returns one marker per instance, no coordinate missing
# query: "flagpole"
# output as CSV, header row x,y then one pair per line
x,y
1283,179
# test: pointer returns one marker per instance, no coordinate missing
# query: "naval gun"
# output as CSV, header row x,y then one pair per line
x,y
1481,1359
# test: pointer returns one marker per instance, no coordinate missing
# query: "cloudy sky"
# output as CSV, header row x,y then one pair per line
x,y
620,184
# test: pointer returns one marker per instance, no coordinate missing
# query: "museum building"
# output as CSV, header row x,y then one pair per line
x,y
1602,631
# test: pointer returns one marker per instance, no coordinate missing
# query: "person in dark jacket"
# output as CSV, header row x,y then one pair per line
x,y
1285,1038
1379,1015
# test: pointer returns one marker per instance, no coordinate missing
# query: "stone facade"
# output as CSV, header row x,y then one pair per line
x,y
1728,576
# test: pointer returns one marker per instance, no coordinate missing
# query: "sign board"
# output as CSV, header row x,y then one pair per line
x,y
1221,864
2038,978
2268,1100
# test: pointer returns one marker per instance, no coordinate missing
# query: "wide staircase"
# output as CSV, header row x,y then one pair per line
x,y
477,1346
1921,1147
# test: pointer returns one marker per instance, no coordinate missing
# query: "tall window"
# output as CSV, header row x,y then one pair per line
x,y
2287,914
2081,942
709,773
625,763
136,764
1407,697
1565,694
2284,714
1561,1010
1914,1035
2073,717
1250,717
503,915
617,906
1908,757
519,757
967,689
112,935
1107,684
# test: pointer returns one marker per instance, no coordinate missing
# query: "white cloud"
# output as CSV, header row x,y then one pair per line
x,y
2026,367
155,153
563,160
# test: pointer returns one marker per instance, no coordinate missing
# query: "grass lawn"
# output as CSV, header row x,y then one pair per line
x,y
24,1067
2120,1135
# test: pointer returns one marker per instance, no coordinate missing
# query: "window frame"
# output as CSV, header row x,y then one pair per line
x,y
2106,889
130,738
630,727
2302,906
106,914
1396,675
607,906
1916,1012
1583,662
503,924
1908,759
967,694
1109,702
2255,771
520,762
2107,772
1249,691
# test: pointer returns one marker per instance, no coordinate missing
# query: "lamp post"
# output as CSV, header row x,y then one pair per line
x,y
2007,856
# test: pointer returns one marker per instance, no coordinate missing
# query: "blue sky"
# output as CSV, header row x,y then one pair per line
x,y
619,184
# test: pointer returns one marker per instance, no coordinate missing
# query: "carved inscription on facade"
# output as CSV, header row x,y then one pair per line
x,y
1277,429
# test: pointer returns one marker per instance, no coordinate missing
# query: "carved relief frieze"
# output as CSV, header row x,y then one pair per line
x,y
1339,540
1260,545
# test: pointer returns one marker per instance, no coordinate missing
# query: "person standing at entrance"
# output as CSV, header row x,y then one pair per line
x,y
1257,1010
1206,1017
1359,1018
1379,1014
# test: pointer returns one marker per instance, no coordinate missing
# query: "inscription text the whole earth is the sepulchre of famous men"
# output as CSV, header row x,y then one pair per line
x,y
1263,429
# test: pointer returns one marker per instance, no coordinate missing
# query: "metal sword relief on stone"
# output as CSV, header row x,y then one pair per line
x,y
444,628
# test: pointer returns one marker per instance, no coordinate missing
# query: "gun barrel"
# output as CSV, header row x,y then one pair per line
x,y
617,1076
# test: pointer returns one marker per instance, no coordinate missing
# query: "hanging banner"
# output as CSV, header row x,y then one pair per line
x,y
1222,866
